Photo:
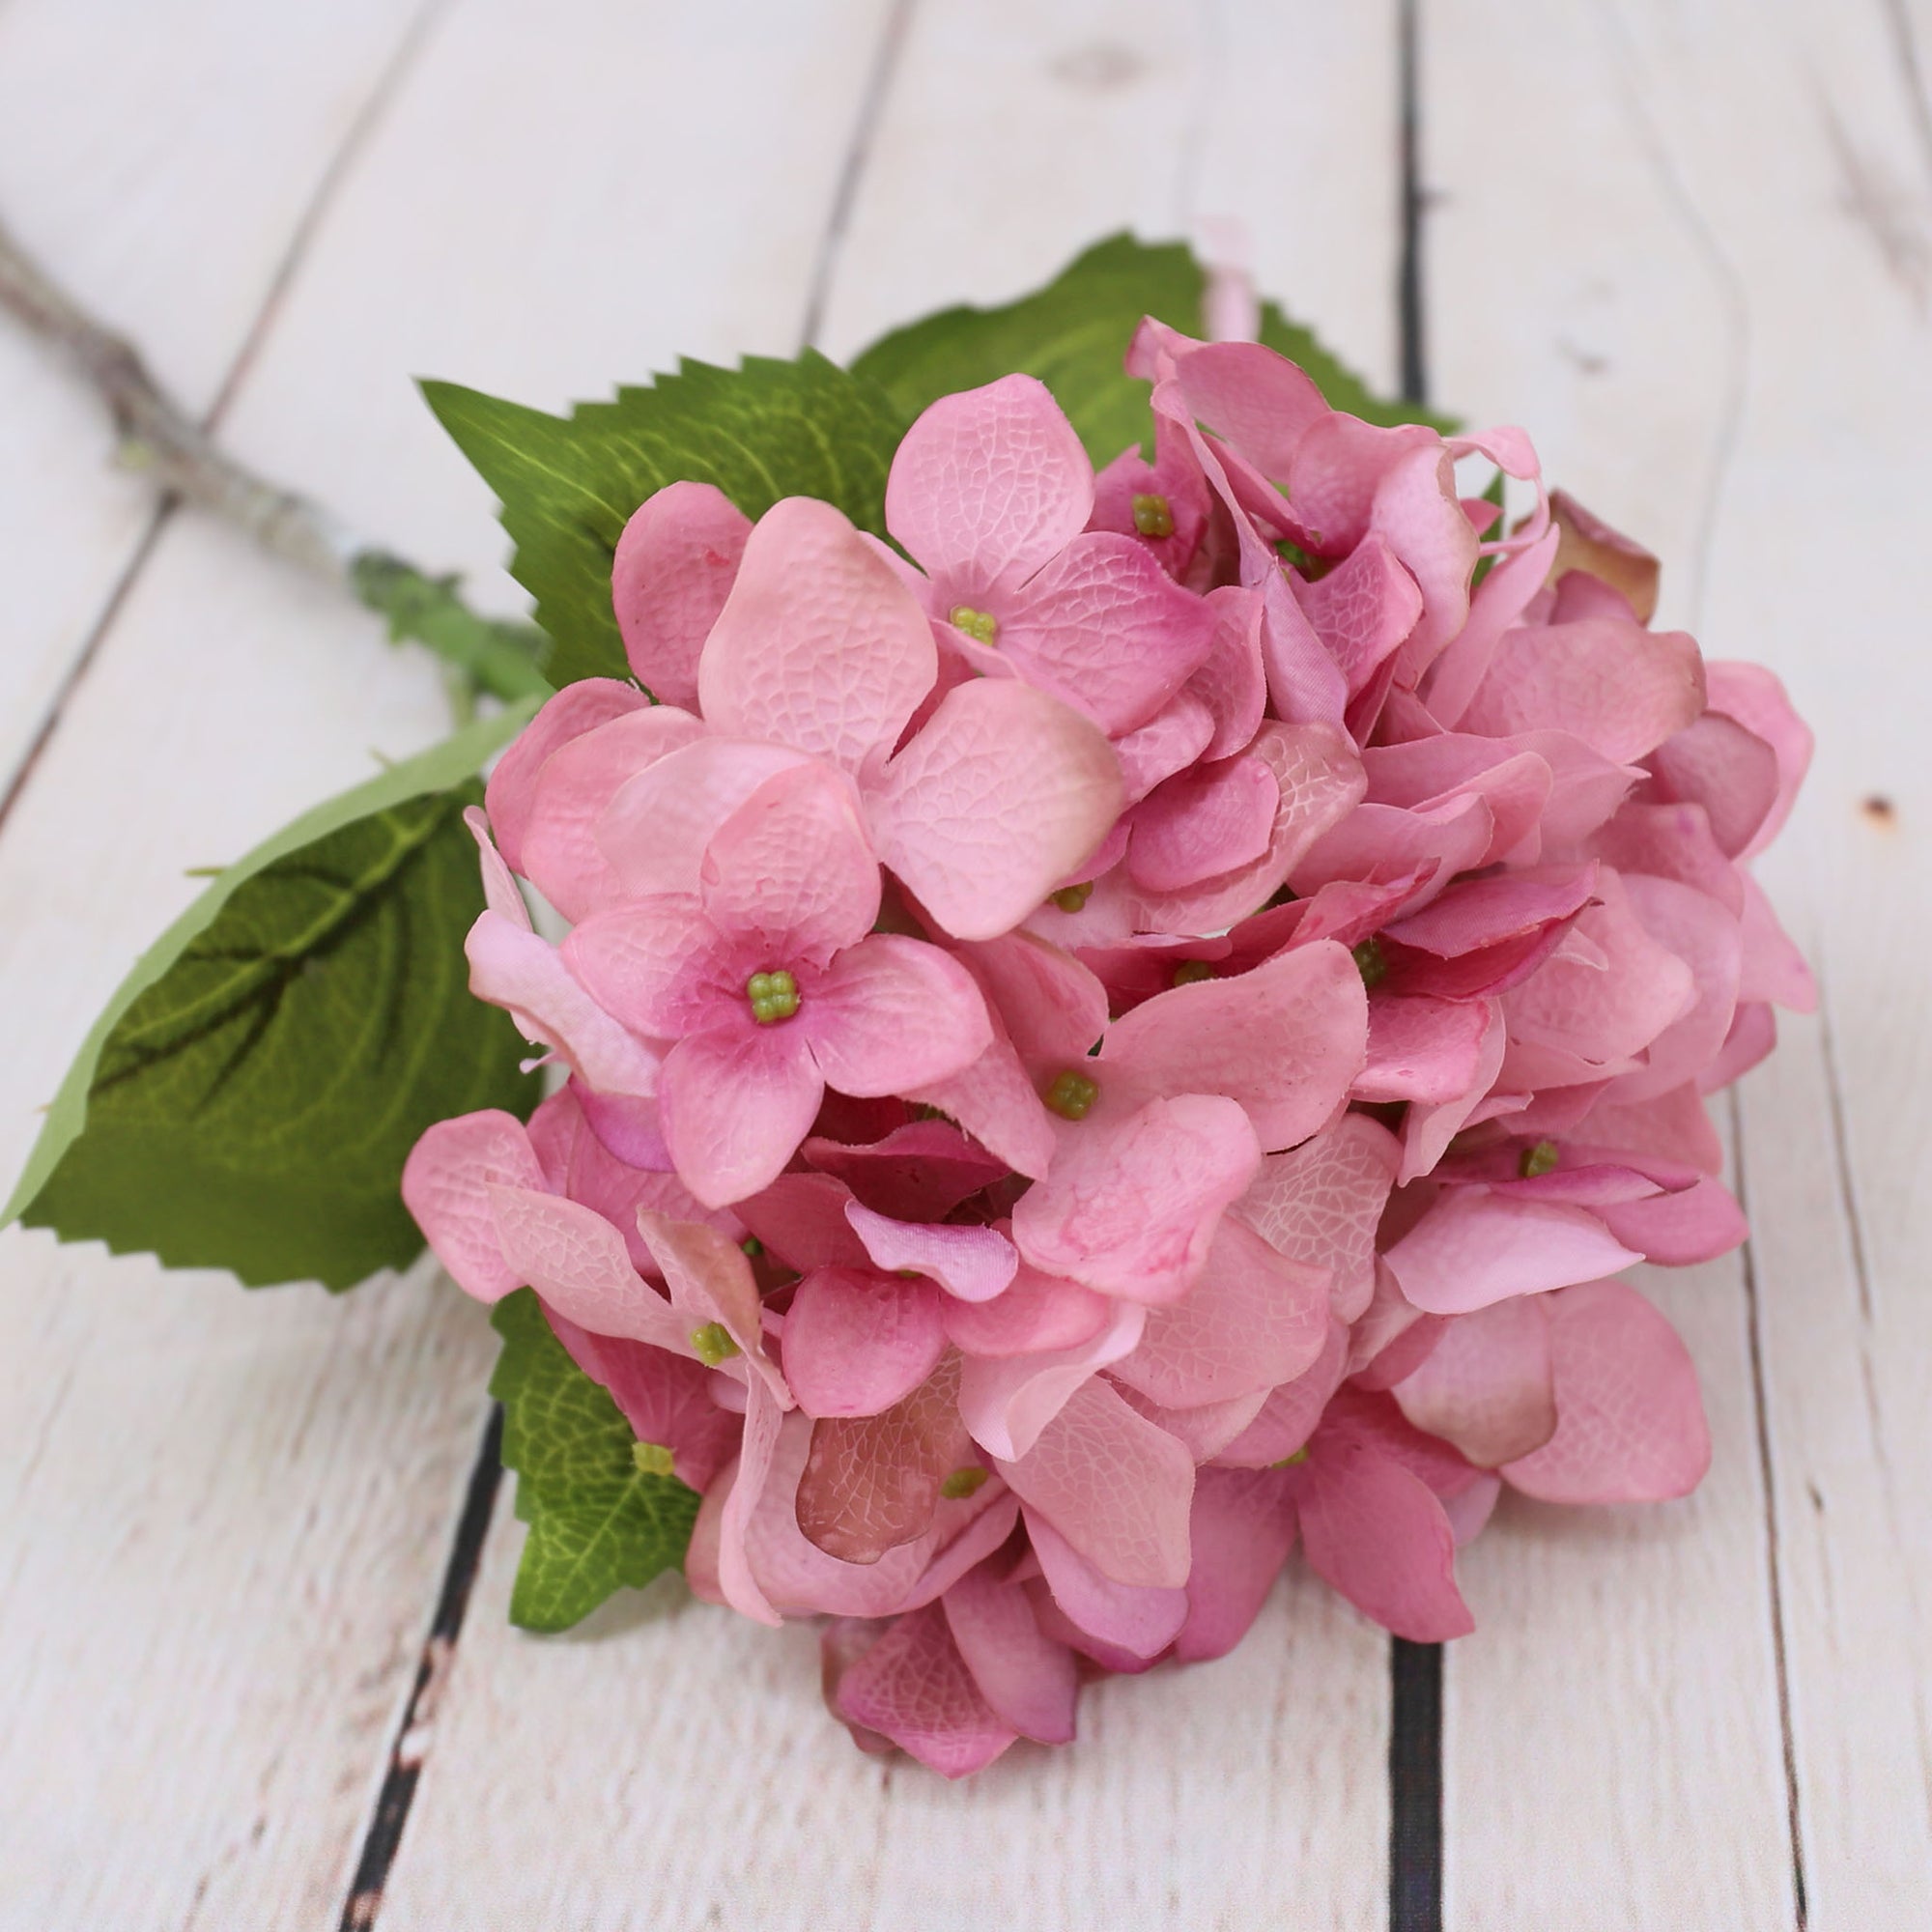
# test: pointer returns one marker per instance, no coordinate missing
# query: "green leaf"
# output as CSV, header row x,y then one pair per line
x,y
1072,334
598,1522
248,1097
569,484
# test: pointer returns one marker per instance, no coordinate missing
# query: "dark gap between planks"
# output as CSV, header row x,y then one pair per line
x,y
384,1836
1415,1669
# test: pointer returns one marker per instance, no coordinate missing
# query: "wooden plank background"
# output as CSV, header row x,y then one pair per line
x,y
1687,243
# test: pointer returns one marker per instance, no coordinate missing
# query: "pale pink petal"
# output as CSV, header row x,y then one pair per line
x,y
1757,700
1115,1487
1006,1402
1320,1203
989,483
1772,968
995,1102
1140,1619
914,1687
790,870
1475,1247
735,1106
1731,772
1421,1049
579,707
1037,1314
1427,1131
518,969
819,647
1497,606
1450,838
1130,1205
501,894
674,566
736,1583
1243,1530
1700,932
857,1342
1201,823
1204,1428
971,1264
893,1014
1231,680
1023,1674
1282,1424
446,1184
1254,397
1286,1040
1000,796
1255,1318
1629,1422
578,1263
1362,610
1674,1229
1170,741
1486,1384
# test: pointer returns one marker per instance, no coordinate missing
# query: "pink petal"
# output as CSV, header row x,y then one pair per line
x,y
1115,1487
1289,1418
1731,772
736,1583
1243,1530
1286,1040
1138,1619
971,1264
1204,822
1363,610
1321,1201
578,1263
710,1281
893,1014
994,1100
1007,1401
856,1342
914,1687
1772,968
501,894
801,1217
1231,680
1629,1422
1027,1679
919,1171
1421,1049
1698,931
1176,735
1475,1247
1130,1205
577,708
1757,700
819,647
446,1184
990,483
1486,1386
1696,1224
1427,1131
1000,796
735,1106
674,567
1039,1314
659,967
790,870
1252,1320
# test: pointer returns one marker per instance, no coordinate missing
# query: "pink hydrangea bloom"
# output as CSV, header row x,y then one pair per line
x,y
1194,990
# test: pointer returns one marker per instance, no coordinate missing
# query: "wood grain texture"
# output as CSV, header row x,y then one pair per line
x,y
1709,299
226,1515
122,137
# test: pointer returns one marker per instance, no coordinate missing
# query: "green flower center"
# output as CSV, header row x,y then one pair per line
x,y
1293,1461
652,1459
1538,1159
1071,1094
1070,898
1190,972
979,624
1371,961
1154,516
774,996
963,1482
714,1344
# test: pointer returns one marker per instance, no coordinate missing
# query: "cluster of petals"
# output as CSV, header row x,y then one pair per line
x,y
1139,1023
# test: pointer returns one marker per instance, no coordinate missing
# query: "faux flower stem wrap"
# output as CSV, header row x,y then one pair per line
x,y
1133,962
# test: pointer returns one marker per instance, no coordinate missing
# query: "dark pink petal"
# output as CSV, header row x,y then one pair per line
x,y
1201,823
1477,914
1497,607
857,1341
1025,1676
1450,838
1475,1247
446,1184
1320,1203
1140,1619
893,1014
819,647
1486,1386
914,1687
919,1171
1254,397
1629,1422
674,567
790,870
970,1264
801,1217
1286,1040
1243,1530
577,708
1130,1203
1000,796
1054,1008
1039,1314
1379,1535
1255,1318
1115,1486
990,483
735,1106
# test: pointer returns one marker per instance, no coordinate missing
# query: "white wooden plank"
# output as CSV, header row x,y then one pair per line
x,y
1713,319
676,1768
158,159
226,1514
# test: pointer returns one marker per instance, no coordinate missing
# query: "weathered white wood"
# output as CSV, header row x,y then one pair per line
x,y
225,1515
1707,295
679,1770
159,160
